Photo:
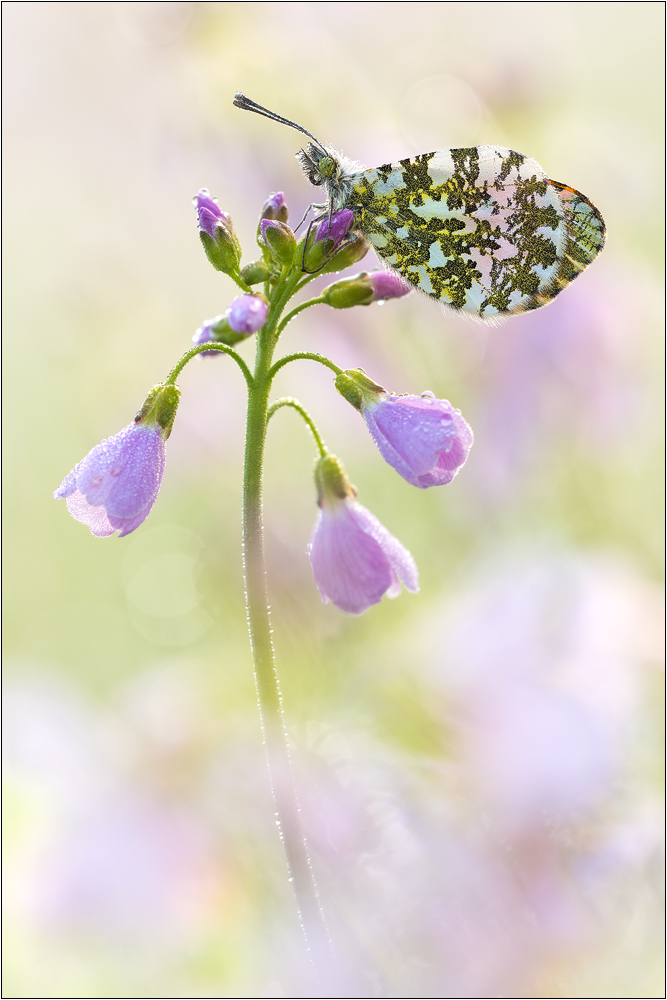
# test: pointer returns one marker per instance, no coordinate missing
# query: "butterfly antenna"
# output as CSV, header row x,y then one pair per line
x,y
243,102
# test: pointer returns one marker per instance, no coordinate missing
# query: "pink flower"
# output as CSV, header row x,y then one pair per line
x,y
115,486
425,439
355,560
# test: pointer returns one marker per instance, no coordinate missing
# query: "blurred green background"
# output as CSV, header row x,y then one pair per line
x,y
478,763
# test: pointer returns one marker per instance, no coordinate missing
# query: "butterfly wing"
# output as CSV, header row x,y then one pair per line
x,y
482,229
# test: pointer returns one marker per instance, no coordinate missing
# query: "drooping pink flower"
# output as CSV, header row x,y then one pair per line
x,y
425,439
115,486
355,560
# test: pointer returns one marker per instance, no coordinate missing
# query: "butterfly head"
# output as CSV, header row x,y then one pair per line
x,y
322,165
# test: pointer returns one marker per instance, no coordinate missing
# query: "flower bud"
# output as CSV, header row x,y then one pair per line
x,y
334,229
351,253
247,314
255,272
326,237
217,234
356,387
355,291
275,207
216,330
387,285
279,239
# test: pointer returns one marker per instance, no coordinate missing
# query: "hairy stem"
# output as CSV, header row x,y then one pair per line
x,y
296,405
297,309
305,356
259,627
213,346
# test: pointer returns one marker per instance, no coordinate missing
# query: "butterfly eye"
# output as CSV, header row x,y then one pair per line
x,y
326,167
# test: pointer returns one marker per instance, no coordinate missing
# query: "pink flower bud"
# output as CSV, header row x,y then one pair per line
x,y
387,285
335,229
275,207
247,314
217,234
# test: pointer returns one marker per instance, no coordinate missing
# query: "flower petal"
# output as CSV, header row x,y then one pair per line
x,y
349,566
94,517
124,472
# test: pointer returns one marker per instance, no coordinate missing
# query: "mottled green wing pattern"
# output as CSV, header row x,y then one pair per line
x,y
482,229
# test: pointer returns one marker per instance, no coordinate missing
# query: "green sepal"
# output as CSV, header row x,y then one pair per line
x,y
167,404
348,292
160,407
223,333
281,242
332,481
224,252
356,387
350,253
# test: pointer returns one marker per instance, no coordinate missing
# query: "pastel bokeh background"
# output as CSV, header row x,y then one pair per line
x,y
479,763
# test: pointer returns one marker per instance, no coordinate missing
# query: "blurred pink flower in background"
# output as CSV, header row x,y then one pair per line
x,y
561,377
471,872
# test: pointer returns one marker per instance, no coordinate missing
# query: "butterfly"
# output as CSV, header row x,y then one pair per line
x,y
481,229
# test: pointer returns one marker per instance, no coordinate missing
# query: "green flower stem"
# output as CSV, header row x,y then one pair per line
x,y
212,346
236,276
295,312
259,627
305,281
304,355
296,405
